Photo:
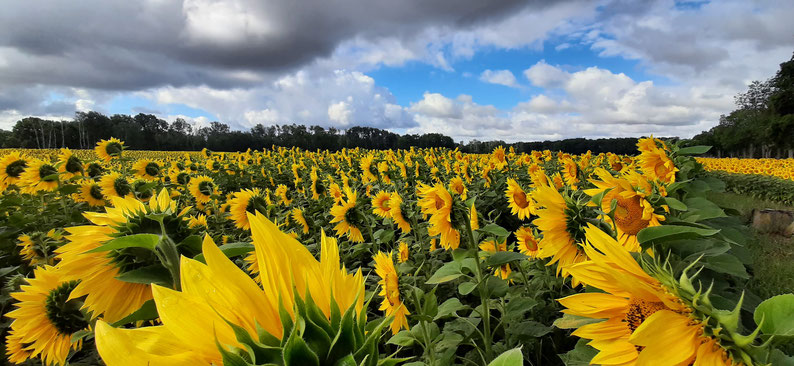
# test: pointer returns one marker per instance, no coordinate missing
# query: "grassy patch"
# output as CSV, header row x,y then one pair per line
x,y
773,255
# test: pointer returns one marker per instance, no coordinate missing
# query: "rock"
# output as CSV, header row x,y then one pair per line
x,y
789,232
773,221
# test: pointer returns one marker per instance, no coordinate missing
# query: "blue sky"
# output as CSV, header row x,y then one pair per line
x,y
572,68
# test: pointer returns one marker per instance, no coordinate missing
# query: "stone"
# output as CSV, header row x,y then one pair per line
x,y
772,221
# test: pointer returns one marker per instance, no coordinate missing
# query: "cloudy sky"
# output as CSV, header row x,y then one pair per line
x,y
471,69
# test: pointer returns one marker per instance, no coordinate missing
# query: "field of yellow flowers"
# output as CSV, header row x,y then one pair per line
x,y
764,179
357,257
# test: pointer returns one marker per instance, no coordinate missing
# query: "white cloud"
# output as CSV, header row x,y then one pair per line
x,y
340,112
501,77
545,76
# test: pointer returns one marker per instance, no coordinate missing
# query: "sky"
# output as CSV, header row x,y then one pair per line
x,y
471,69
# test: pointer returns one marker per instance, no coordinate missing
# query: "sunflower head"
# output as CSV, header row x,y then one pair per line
x,y
244,202
109,149
91,193
68,164
39,176
147,169
381,204
392,305
12,166
94,169
202,188
115,185
38,248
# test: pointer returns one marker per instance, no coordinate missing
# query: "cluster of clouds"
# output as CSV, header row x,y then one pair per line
x,y
249,62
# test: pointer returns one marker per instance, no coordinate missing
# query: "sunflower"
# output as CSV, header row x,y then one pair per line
x,y
527,242
214,295
517,200
655,163
282,192
381,204
390,290
491,246
297,216
247,200
94,169
347,217
632,211
69,165
317,188
646,323
202,188
45,319
98,270
37,248
109,149
561,231
437,202
91,193
396,212
402,252
368,170
146,169
39,176
456,186
11,168
570,172
178,177
197,221
115,185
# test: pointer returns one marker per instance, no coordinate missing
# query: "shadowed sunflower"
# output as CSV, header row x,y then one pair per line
x,y
196,321
201,188
45,319
396,212
94,169
381,204
282,192
436,201
109,149
115,185
403,252
456,186
12,166
517,200
491,246
346,218
91,193
297,217
178,177
107,295
245,201
527,242
69,165
317,188
37,248
39,176
646,324
390,291
147,169
368,170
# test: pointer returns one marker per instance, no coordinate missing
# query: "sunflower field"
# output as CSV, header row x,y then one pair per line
x,y
358,257
765,179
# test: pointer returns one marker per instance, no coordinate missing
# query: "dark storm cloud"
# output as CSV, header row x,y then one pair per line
x,y
133,45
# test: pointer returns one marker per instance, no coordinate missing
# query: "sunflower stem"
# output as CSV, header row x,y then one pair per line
x,y
486,314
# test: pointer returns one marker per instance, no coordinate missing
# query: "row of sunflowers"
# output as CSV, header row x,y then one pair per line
x,y
357,257
780,168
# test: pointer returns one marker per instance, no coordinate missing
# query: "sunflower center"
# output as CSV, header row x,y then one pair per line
x,y
113,148
46,173
16,168
63,313
639,310
439,202
96,192
94,170
152,169
145,194
530,243
384,205
122,187
628,215
182,178
520,198
206,188
73,164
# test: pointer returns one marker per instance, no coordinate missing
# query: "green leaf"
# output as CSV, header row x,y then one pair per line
x,y
192,243
529,328
778,316
500,258
148,241
403,338
694,150
675,204
513,357
580,355
466,288
68,189
230,250
80,334
155,273
448,272
569,321
449,307
497,287
147,311
297,353
495,230
726,263
670,232
6,270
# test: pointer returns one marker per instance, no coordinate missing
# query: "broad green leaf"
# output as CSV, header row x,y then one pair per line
x,y
513,357
403,338
670,232
675,204
500,258
778,316
466,288
495,230
147,311
448,272
155,273
580,355
449,307
569,321
231,250
694,150
148,241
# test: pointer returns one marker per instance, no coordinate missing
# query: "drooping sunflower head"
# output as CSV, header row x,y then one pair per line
x,y
298,219
39,176
114,184
283,194
201,188
381,204
109,149
38,248
392,305
396,212
178,177
147,169
69,165
348,217
91,193
245,201
46,317
94,169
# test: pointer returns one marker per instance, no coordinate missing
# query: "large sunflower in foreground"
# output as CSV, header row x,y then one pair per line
x,y
39,176
98,271
347,218
12,166
109,149
245,201
196,321
390,291
645,323
45,319
520,204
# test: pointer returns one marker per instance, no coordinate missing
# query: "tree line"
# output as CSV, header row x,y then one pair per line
x,y
148,132
762,126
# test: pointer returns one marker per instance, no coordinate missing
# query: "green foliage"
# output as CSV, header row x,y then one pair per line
x,y
758,186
